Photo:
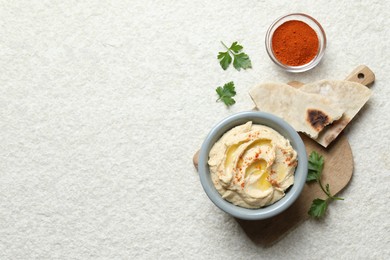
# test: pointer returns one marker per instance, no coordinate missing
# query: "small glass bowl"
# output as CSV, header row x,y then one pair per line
x,y
309,21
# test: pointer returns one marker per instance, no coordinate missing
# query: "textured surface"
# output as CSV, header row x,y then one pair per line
x,y
102,105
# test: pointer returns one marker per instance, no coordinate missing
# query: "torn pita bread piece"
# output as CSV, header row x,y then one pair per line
x,y
306,112
347,95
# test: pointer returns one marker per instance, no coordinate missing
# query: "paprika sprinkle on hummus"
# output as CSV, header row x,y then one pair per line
x,y
295,43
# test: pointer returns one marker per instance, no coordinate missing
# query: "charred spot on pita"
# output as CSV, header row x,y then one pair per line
x,y
317,119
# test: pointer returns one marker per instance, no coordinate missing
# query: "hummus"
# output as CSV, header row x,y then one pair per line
x,y
252,165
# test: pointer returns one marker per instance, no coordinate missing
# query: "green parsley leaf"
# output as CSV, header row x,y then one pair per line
x,y
316,164
318,208
225,59
236,47
240,59
227,93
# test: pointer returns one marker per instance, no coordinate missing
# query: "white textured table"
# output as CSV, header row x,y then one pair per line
x,y
102,105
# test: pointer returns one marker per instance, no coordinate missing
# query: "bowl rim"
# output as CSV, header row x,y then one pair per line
x,y
321,38
274,122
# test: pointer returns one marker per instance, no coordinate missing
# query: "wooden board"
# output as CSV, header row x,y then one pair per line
x,y
337,173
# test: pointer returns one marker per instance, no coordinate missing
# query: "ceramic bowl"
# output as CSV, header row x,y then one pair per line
x,y
285,130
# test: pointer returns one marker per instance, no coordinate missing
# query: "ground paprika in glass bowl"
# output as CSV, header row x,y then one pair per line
x,y
296,42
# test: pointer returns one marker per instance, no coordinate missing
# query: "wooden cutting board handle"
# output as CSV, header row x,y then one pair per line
x,y
363,75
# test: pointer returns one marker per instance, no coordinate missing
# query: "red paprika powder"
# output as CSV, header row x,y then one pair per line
x,y
294,43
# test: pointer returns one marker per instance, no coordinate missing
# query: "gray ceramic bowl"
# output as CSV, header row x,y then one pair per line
x,y
257,118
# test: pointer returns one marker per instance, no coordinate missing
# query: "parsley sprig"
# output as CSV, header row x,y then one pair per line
x,y
240,59
316,165
226,94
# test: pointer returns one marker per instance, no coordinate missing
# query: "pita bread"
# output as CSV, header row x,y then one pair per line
x,y
306,112
347,95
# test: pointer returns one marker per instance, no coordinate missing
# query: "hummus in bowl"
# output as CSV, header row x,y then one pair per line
x,y
253,165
